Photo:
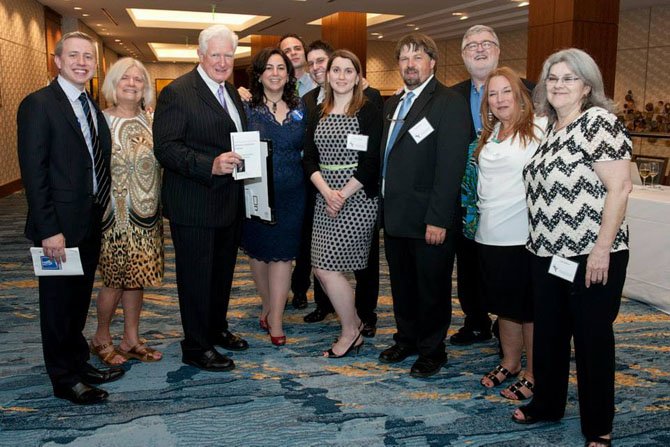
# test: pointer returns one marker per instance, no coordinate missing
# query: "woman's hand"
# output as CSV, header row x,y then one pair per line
x,y
597,265
334,200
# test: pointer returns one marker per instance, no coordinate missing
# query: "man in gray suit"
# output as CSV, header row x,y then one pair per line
x,y
424,146
194,118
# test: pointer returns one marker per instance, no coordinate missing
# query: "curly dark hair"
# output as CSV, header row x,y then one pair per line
x,y
256,70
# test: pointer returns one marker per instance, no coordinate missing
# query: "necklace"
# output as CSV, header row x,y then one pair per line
x,y
274,103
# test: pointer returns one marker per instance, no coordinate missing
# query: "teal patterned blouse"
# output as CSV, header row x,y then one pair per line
x,y
469,194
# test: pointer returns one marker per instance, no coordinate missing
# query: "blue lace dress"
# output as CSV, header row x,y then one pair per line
x,y
281,241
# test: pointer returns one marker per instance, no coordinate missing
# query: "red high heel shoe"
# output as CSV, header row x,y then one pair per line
x,y
263,323
277,341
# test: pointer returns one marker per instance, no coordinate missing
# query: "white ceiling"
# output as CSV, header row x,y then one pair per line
x,y
434,17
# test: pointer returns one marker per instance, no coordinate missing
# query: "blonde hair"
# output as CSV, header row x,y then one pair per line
x,y
117,70
523,121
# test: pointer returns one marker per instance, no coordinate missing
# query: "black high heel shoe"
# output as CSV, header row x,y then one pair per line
x,y
330,354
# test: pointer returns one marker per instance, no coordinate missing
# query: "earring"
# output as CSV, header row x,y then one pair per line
x,y
489,116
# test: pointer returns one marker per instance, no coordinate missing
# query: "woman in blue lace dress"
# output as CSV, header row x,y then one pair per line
x,y
277,113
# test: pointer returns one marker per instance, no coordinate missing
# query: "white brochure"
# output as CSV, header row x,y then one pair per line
x,y
44,266
248,146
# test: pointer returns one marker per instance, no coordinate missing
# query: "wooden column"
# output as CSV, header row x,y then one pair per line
x,y
591,25
258,42
52,34
347,30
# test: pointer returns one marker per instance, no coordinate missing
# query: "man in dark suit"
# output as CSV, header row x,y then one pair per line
x,y
64,149
480,50
424,146
194,118
367,279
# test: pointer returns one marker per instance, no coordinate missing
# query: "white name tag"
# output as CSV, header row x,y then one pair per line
x,y
563,268
357,142
421,130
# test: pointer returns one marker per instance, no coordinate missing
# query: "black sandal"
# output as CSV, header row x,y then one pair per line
x,y
529,418
493,376
516,390
607,442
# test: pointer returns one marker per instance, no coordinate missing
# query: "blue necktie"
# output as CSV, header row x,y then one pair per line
x,y
101,174
397,125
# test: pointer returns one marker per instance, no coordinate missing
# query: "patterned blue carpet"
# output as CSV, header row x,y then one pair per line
x,y
290,396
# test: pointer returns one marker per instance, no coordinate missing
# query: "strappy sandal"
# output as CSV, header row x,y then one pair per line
x,y
140,352
493,376
106,356
607,442
516,390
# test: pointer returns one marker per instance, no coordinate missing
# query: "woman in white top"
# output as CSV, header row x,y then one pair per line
x,y
509,138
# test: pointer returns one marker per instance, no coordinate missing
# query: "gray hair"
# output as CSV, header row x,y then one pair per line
x,y
476,29
220,31
117,70
584,68
74,35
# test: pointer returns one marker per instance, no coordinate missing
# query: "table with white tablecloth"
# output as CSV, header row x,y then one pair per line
x,y
648,276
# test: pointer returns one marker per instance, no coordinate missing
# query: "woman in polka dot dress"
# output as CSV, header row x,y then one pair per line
x,y
342,160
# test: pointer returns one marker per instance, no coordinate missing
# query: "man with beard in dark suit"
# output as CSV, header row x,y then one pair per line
x,y
194,118
424,147
64,148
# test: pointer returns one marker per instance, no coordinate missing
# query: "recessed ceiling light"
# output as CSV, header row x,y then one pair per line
x,y
117,40
375,34
78,8
380,37
98,24
411,25
463,18
457,13
523,4
159,18
416,28
85,15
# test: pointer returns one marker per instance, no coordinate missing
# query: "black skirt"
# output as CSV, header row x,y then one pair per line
x,y
505,281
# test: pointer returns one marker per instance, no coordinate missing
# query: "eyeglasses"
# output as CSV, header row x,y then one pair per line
x,y
567,80
485,44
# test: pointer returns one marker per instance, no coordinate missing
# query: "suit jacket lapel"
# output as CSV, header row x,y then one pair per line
x,y
416,110
66,108
238,104
388,123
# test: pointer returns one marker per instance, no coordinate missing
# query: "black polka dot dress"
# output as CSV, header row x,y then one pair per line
x,y
342,243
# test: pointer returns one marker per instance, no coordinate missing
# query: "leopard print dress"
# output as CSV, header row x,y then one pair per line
x,y
132,227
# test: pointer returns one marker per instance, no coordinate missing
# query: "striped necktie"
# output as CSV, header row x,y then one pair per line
x,y
101,174
222,97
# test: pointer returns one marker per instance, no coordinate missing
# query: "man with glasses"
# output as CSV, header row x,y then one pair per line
x,y
480,51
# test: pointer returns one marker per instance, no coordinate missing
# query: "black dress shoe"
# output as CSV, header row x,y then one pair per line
x,y
466,336
299,301
427,366
209,360
81,394
230,341
316,315
396,353
369,330
90,374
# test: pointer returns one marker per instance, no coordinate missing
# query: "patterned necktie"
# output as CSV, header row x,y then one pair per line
x,y
397,125
101,174
222,98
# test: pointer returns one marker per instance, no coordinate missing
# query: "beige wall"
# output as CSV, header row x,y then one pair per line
x,y
23,69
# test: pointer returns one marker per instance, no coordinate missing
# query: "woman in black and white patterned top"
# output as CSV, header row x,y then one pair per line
x,y
577,187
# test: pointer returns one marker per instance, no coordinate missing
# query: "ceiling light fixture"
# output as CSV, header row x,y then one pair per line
x,y
78,8
524,4
463,18
85,15
117,40
163,18
457,14
380,37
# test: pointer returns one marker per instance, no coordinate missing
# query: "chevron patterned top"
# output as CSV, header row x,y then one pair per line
x,y
565,196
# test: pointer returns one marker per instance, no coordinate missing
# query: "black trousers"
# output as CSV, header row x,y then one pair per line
x,y
205,263
367,279
467,276
421,291
64,304
565,310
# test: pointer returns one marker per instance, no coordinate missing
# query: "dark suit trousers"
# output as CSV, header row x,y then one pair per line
x,y
367,279
421,291
205,263
64,304
467,275
566,310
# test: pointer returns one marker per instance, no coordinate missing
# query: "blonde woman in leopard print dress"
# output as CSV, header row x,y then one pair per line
x,y
131,257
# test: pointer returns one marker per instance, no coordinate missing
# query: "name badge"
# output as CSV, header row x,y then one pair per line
x,y
357,142
563,268
421,130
